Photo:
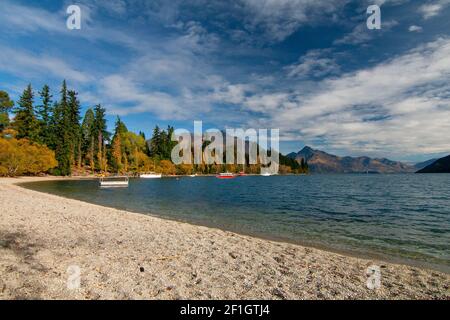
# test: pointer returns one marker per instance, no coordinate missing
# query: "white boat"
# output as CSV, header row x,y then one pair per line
x,y
266,174
192,175
151,175
114,182
226,175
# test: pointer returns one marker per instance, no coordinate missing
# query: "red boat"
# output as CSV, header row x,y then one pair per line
x,y
226,175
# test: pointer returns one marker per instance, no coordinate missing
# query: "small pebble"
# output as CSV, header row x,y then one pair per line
x,y
233,255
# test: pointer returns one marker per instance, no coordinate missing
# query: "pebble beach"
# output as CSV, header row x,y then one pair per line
x,y
58,248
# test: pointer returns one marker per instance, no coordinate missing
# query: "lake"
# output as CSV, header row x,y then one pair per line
x,y
400,218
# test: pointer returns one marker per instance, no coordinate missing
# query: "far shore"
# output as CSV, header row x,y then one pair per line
x,y
125,255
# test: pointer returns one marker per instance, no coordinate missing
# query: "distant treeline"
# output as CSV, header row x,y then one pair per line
x,y
50,135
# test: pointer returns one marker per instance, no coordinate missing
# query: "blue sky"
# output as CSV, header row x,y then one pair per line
x,y
310,68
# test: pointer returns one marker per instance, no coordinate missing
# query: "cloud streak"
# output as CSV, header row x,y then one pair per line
x,y
432,9
34,66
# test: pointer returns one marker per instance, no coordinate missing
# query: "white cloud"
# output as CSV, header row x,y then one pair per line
x,y
361,34
432,9
272,20
15,18
268,103
118,89
281,18
225,92
25,19
414,28
315,63
28,65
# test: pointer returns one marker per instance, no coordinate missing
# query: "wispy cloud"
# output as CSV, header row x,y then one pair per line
x,y
19,18
119,90
415,28
434,8
316,63
16,18
361,34
280,18
272,20
35,66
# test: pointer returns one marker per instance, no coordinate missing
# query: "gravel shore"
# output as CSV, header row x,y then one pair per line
x,y
45,240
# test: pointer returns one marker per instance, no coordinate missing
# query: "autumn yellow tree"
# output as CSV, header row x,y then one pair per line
x,y
184,169
141,162
91,156
19,157
104,163
117,153
100,154
167,167
125,162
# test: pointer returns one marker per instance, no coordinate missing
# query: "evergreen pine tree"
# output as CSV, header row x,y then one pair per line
x,y
73,114
63,145
170,144
101,133
45,114
25,122
120,127
6,105
155,143
87,133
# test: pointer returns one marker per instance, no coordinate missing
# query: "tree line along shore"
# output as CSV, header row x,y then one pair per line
x,y
43,134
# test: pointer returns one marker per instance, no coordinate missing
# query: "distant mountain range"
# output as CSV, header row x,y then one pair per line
x,y
322,162
438,166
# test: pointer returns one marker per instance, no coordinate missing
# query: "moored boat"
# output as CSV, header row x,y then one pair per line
x,y
226,175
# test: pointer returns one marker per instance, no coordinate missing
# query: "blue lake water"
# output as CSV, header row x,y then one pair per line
x,y
402,218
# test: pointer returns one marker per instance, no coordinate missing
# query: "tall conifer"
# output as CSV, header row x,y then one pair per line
x,y
25,121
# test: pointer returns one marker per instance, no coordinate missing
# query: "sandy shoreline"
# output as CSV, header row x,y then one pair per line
x,y
124,255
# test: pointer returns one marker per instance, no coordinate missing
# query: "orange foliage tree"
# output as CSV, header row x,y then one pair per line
x,y
167,167
19,157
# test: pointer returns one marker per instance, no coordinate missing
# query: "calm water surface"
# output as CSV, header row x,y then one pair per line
x,y
403,218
